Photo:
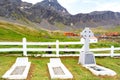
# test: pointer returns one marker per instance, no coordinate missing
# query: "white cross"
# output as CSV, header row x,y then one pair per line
x,y
86,34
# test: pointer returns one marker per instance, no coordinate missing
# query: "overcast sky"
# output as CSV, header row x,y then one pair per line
x,y
86,6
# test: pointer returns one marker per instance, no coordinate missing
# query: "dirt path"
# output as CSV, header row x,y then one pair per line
x,y
30,74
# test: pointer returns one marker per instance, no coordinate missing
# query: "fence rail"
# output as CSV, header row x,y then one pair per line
x,y
57,49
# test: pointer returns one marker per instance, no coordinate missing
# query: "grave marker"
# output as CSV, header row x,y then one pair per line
x,y
87,58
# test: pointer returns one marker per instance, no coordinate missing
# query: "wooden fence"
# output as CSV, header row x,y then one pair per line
x,y
57,49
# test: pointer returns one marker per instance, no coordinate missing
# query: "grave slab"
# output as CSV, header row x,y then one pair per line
x,y
19,69
57,70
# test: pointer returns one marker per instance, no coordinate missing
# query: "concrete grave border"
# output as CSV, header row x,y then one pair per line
x,y
20,61
56,62
103,72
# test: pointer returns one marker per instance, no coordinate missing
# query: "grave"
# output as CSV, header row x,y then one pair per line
x,y
57,70
19,70
87,58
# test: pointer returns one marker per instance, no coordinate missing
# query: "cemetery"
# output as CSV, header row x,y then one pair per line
x,y
57,69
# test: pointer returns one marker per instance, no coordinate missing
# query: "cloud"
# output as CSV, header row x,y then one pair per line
x,y
32,1
67,2
72,5
86,6
113,6
88,1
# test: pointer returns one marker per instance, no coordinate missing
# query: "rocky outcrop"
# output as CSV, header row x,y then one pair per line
x,y
54,6
25,5
95,19
10,9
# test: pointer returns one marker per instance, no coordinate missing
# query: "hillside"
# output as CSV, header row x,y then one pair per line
x,y
15,32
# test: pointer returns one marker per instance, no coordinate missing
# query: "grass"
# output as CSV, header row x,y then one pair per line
x,y
15,32
5,64
39,70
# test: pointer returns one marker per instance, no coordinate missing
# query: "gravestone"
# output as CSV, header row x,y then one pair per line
x,y
86,57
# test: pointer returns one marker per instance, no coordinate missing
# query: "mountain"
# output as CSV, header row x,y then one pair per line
x,y
11,9
50,12
25,5
97,18
53,5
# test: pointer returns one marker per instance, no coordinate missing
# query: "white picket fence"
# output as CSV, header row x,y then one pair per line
x,y
24,49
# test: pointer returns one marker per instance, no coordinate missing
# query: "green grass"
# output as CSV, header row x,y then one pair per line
x,y
39,69
60,25
15,32
5,64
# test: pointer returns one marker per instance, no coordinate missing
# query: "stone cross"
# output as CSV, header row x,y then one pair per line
x,y
86,34
86,57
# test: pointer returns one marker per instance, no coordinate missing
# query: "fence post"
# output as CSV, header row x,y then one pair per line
x,y
24,47
57,48
112,51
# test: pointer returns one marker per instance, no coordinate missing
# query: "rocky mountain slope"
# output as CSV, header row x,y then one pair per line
x,y
10,8
95,19
53,13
